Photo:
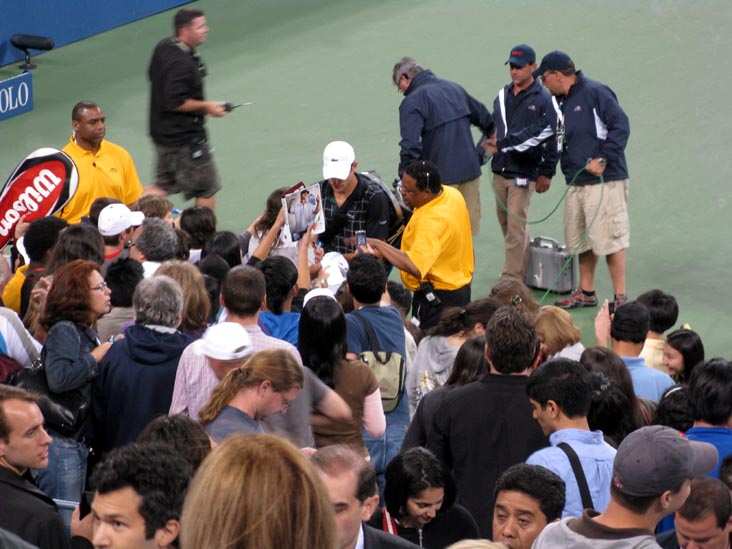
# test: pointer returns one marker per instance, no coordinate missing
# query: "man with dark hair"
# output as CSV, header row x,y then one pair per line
x,y
560,391
281,279
351,203
710,395
524,155
243,296
123,276
38,240
528,497
592,132
351,485
24,509
436,257
652,472
435,119
178,111
142,366
155,244
664,312
366,280
705,519
627,331
105,169
142,487
494,411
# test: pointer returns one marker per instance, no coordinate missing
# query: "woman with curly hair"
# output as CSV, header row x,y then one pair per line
x,y
77,298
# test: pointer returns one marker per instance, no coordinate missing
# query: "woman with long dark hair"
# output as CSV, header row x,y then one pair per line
x,y
420,502
618,380
77,298
323,346
682,351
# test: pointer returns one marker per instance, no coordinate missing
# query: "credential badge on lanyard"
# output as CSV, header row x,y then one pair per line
x,y
560,124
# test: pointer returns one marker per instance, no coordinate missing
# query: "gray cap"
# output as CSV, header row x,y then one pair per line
x,y
656,458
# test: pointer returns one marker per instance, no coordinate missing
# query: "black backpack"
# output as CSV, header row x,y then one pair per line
x,y
399,213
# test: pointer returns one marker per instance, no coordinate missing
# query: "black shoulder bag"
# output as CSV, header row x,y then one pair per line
x,y
579,475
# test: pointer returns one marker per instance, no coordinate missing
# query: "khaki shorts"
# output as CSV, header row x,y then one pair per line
x,y
610,230
187,169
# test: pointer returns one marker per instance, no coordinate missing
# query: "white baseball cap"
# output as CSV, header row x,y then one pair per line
x,y
224,341
318,292
337,159
115,218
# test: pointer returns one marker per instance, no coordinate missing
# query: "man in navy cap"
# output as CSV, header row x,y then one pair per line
x,y
524,154
592,133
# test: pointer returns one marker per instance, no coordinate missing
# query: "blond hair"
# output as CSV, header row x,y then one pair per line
x,y
556,328
275,365
477,544
195,299
257,491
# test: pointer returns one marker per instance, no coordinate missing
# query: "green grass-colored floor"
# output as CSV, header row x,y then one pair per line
x,y
320,70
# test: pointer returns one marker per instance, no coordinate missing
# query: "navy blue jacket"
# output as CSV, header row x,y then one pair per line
x,y
435,118
135,384
529,147
595,125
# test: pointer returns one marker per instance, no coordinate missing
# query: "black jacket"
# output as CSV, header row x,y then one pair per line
x,y
376,539
528,147
29,513
479,431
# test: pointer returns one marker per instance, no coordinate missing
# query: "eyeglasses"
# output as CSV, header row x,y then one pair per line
x,y
101,287
544,77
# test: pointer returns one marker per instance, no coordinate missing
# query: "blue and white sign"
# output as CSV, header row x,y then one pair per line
x,y
16,95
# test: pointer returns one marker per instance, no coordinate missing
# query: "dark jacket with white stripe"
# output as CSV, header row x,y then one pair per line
x,y
595,126
525,129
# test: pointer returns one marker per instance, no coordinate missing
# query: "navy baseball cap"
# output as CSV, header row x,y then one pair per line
x,y
521,56
554,61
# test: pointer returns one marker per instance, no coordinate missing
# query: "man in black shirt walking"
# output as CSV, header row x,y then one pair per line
x,y
177,113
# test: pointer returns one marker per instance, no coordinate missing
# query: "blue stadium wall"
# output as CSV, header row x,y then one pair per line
x,y
67,21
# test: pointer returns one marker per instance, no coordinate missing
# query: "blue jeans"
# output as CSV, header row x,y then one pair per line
x,y
66,472
383,449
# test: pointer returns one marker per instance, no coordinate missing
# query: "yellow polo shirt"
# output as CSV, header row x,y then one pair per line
x,y
109,173
438,241
11,294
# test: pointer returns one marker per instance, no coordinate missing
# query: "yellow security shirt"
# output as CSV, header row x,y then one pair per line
x,y
438,241
109,173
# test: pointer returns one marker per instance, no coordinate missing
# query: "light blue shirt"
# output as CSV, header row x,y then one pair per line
x,y
647,382
596,457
